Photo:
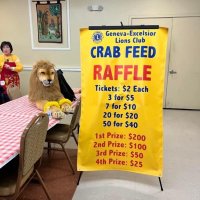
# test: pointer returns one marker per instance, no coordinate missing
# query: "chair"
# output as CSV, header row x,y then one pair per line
x,y
61,133
15,178
13,92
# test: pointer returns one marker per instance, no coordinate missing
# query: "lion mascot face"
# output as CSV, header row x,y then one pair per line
x,y
44,90
44,83
46,76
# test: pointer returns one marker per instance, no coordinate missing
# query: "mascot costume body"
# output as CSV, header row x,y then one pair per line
x,y
44,90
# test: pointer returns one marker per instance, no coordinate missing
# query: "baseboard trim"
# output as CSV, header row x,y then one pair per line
x,y
181,109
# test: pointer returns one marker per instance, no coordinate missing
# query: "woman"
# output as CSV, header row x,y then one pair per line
x,y
9,67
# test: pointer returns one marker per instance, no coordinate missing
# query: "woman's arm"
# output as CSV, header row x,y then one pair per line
x,y
19,66
1,62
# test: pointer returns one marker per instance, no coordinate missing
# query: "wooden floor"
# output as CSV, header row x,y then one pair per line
x,y
58,177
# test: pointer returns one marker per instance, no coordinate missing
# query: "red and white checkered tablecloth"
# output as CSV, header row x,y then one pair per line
x,y
14,117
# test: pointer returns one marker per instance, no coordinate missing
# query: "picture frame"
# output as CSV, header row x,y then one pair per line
x,y
51,36
49,22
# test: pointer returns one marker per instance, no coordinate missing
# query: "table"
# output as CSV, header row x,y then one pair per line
x,y
14,117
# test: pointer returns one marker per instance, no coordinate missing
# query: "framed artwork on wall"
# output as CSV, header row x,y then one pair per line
x,y
49,24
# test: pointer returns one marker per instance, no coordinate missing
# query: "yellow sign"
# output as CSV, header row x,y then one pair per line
x,y
122,74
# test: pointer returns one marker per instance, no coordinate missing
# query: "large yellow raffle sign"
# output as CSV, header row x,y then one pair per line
x,y
121,125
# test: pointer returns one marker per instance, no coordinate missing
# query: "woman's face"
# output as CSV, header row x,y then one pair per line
x,y
6,50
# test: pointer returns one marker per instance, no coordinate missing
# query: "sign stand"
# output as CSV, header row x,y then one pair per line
x,y
81,173
161,187
116,28
123,27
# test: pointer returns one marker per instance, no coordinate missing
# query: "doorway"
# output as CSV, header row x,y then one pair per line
x,y
182,74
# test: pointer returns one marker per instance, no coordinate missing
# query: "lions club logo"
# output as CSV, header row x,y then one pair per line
x,y
97,37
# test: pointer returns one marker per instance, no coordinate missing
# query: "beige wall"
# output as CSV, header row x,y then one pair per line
x,y
15,27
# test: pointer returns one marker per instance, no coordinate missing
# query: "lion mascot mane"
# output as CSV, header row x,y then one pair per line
x,y
44,90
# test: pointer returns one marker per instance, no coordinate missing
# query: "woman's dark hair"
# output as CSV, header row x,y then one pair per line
x,y
4,43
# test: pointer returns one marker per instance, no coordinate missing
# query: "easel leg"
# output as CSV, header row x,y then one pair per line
x,y
161,187
79,178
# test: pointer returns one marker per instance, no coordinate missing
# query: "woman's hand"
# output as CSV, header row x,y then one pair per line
x,y
9,67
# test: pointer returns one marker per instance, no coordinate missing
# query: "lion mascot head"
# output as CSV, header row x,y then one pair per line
x,y
44,83
44,90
